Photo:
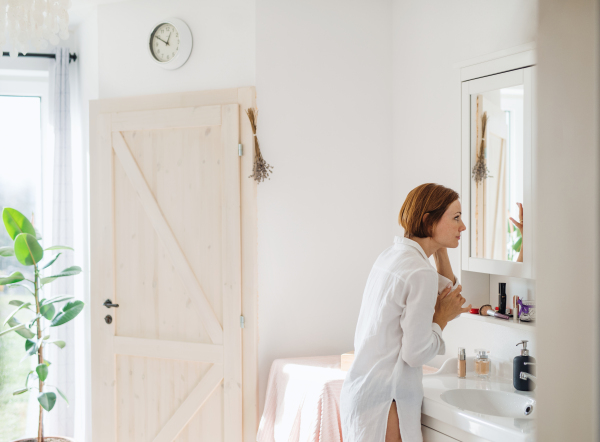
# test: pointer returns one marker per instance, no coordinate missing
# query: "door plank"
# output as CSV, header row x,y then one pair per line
x,y
247,99
180,263
102,280
191,405
231,271
166,118
161,349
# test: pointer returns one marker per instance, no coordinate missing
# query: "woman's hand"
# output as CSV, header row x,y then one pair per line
x,y
448,306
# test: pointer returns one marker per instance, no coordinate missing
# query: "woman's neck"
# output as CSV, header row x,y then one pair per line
x,y
428,245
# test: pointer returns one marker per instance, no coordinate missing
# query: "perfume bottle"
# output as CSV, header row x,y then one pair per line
x,y
482,363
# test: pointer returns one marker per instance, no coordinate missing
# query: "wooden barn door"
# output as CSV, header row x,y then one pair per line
x,y
165,248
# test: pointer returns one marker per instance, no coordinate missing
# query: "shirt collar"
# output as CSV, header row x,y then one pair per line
x,y
411,243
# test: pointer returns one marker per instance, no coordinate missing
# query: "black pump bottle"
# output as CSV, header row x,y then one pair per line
x,y
523,363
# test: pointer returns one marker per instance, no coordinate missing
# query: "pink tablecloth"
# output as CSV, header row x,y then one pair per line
x,y
303,400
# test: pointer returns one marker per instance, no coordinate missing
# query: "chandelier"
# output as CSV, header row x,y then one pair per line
x,y
33,23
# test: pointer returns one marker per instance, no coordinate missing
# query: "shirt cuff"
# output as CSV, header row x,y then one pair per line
x,y
438,330
443,283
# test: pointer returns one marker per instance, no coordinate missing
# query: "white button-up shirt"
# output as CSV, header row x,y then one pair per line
x,y
394,337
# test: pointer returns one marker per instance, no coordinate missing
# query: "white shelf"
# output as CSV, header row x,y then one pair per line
x,y
501,322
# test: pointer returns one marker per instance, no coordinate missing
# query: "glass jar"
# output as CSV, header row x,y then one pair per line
x,y
482,363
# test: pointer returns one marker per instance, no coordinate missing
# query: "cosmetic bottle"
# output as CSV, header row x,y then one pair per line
x,y
482,363
462,363
502,298
523,363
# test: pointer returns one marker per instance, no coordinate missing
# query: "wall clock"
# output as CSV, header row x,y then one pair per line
x,y
170,43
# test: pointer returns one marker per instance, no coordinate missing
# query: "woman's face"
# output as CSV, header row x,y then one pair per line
x,y
447,230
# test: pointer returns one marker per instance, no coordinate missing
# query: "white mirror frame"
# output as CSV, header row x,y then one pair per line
x,y
477,76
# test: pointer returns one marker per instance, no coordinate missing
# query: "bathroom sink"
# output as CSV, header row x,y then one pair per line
x,y
490,402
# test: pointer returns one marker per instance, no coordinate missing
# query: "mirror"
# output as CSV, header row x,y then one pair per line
x,y
497,153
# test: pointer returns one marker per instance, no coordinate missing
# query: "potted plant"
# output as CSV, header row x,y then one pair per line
x,y
45,313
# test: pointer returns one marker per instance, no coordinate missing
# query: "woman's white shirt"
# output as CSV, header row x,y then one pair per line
x,y
394,337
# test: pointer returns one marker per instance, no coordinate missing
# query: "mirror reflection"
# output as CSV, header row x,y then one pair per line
x,y
497,174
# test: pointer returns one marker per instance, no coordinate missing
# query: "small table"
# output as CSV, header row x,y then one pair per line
x,y
303,400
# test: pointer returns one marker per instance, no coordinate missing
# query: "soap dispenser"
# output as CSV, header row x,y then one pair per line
x,y
524,363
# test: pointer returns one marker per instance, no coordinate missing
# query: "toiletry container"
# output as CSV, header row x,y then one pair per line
x,y
482,363
502,298
462,363
524,363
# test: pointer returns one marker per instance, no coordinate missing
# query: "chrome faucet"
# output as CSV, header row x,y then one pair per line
x,y
524,375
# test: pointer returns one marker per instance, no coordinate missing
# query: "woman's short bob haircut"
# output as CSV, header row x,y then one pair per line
x,y
430,198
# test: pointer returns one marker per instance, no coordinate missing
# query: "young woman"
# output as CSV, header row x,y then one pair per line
x,y
406,305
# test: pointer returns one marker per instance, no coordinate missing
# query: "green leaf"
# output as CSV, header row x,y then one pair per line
x,y
62,395
59,298
34,319
69,311
51,261
47,400
7,251
28,250
70,271
12,315
21,391
59,344
16,223
12,278
31,347
16,302
48,311
15,328
59,248
25,332
42,371
517,245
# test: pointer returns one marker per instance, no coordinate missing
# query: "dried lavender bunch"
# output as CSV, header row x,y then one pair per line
x,y
480,171
261,169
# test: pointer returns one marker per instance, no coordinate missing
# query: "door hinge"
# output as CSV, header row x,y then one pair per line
x,y
242,322
240,149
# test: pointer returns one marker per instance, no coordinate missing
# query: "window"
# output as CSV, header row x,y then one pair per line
x,y
20,188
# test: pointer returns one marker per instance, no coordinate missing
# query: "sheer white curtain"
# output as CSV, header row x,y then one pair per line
x,y
65,363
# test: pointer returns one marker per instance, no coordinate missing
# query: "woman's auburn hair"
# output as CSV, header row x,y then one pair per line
x,y
430,198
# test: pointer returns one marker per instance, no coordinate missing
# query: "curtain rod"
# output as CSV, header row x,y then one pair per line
x,y
72,57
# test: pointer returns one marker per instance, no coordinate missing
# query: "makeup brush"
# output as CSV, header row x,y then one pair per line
x,y
487,310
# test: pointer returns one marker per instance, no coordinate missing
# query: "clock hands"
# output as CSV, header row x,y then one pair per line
x,y
165,42
169,38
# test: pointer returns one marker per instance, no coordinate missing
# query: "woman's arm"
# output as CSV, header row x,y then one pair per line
x,y
519,225
422,338
442,262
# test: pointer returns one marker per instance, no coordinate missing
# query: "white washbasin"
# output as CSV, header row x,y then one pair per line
x,y
490,402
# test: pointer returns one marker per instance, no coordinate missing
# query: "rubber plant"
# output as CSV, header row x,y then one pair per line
x,y
45,313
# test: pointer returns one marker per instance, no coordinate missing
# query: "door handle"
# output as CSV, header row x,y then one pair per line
x,y
108,304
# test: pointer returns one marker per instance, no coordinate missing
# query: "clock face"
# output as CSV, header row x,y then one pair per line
x,y
164,42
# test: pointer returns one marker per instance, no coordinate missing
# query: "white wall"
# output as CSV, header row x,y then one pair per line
x,y
428,39
568,171
223,53
324,78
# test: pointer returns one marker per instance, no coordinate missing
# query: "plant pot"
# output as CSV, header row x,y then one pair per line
x,y
46,439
